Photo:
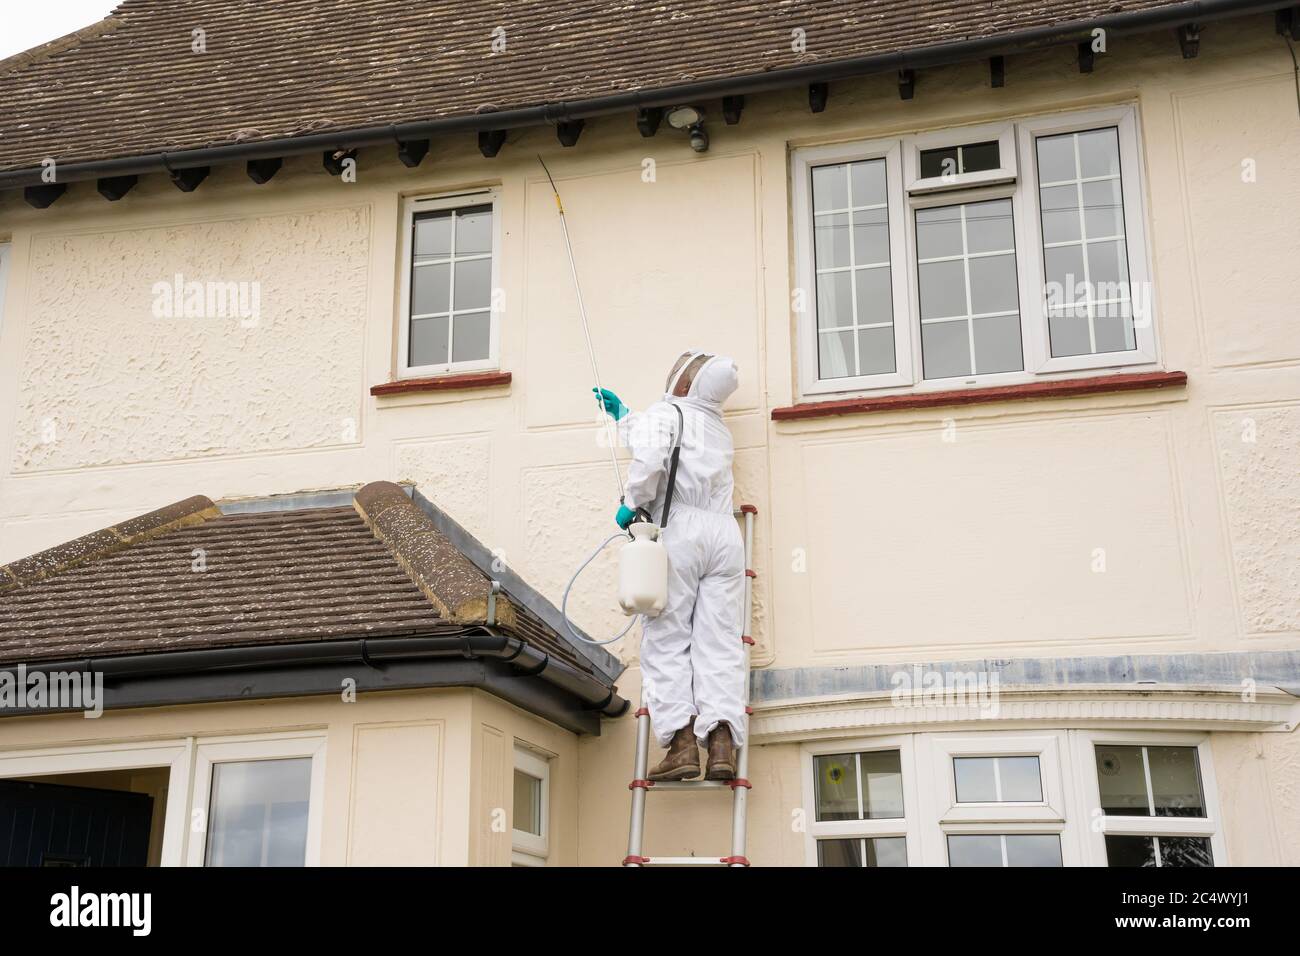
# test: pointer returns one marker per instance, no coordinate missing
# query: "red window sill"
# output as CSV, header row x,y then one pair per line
x,y
443,383
1097,385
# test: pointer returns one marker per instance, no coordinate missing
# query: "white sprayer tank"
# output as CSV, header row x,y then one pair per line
x,y
643,572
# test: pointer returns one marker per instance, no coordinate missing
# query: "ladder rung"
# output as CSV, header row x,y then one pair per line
x,y
690,785
683,861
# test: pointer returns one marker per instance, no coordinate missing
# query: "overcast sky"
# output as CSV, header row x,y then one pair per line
x,y
25,25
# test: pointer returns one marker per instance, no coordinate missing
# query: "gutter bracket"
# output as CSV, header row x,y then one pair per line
x,y
494,588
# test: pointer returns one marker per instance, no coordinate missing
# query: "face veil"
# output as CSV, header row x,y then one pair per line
x,y
684,371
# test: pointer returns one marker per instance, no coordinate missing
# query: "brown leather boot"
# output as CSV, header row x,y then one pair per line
x,y
722,754
682,762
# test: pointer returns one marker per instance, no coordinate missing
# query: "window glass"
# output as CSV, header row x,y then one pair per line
x,y
861,786
997,779
1149,781
878,851
969,297
1011,849
1085,250
258,813
954,160
451,286
1124,851
851,263
528,803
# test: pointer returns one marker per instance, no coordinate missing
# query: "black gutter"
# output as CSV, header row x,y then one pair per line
x,y
469,657
1135,21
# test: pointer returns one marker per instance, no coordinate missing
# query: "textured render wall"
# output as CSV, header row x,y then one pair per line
x,y
913,547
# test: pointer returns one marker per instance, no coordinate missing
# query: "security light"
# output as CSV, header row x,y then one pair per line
x,y
691,119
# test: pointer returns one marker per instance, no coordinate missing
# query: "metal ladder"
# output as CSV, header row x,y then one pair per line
x,y
641,786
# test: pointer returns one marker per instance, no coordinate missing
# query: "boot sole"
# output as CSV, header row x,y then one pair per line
x,y
681,773
721,773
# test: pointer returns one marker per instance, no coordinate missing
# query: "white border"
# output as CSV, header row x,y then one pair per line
x,y
417,204
263,747
530,849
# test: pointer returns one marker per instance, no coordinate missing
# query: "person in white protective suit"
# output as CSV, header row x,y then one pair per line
x,y
692,657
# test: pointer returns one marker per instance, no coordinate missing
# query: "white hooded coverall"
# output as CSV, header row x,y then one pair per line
x,y
692,657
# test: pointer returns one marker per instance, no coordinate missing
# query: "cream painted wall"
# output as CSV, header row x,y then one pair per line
x,y
915,548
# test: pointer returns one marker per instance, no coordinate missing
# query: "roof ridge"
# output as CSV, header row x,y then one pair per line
x,y
106,541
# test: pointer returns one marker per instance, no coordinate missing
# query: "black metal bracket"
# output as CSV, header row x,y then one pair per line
x,y
333,160
818,94
568,131
40,197
648,119
490,141
1086,56
187,180
1287,21
997,71
411,152
906,84
260,171
114,188
732,107
1189,40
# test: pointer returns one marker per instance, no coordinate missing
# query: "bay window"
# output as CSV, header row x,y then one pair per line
x,y
973,256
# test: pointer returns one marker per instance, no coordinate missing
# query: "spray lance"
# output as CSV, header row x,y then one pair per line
x,y
643,562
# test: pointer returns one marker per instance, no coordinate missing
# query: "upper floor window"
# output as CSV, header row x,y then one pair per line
x,y
531,809
986,255
451,256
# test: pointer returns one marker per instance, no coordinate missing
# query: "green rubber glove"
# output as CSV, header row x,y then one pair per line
x,y
624,517
612,404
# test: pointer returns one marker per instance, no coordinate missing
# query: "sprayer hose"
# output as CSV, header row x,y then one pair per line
x,y
564,604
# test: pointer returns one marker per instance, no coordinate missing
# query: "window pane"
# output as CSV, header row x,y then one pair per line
x,y
470,336
975,850
939,162
993,286
433,234
945,349
1056,159
474,230
870,236
1185,851
1121,779
938,232
836,784
1033,849
1113,326
528,803
976,781
1103,208
831,240
943,289
880,851
1176,780
997,344
473,284
988,227
1069,333
830,187
838,788
430,288
1065,270
1124,851
1099,153
874,296
876,351
258,813
1021,779
834,300
429,340
835,355
979,156
868,181
1060,213
1107,267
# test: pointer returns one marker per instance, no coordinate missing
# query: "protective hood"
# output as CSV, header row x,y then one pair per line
x,y
702,380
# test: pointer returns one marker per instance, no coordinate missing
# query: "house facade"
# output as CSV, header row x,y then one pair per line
x,y
1019,412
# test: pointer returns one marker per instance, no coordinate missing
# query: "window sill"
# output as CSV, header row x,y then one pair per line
x,y
1061,388
443,383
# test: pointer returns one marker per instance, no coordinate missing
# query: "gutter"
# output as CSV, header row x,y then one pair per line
x,y
1137,21
501,664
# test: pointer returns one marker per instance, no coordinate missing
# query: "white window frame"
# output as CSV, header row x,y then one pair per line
x,y
1038,351
806,280
174,755
213,751
906,826
943,816
1002,133
410,208
1101,824
530,849
1017,179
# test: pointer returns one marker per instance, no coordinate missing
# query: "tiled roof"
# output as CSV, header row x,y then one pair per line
x,y
188,577
135,86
